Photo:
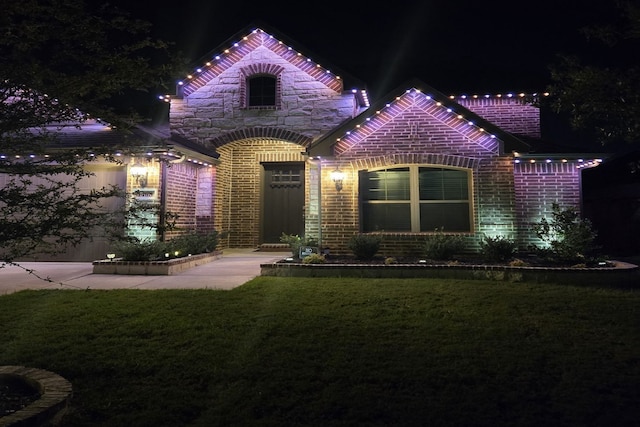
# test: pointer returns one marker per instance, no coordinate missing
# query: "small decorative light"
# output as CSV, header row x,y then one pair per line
x,y
110,257
337,176
140,173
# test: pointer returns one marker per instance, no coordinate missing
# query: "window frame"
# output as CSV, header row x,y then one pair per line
x,y
253,77
414,200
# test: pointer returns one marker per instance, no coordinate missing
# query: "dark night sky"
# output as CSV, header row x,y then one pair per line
x,y
455,46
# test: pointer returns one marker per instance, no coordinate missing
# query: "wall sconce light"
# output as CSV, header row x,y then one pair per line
x,y
140,173
337,176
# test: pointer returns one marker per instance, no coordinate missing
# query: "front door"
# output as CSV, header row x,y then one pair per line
x,y
283,200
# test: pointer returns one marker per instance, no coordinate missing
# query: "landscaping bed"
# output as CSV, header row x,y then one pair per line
x,y
528,269
151,268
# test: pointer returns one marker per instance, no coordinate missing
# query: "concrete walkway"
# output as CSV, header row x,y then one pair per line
x,y
234,268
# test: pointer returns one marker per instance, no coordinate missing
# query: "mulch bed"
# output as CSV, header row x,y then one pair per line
x,y
15,394
528,260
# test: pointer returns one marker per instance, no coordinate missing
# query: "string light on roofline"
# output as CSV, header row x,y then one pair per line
x,y
227,51
150,154
244,38
430,98
581,163
499,95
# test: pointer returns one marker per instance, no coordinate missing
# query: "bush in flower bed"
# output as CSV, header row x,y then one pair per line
x,y
191,243
296,242
441,246
364,246
497,249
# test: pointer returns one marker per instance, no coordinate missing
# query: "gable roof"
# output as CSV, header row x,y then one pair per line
x,y
324,146
260,34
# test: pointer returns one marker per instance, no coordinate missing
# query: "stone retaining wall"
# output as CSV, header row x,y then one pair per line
x,y
620,274
55,393
153,268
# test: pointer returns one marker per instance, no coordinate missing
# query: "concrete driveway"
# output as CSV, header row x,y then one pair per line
x,y
234,268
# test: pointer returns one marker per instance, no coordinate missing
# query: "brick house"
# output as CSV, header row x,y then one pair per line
x,y
263,140
414,161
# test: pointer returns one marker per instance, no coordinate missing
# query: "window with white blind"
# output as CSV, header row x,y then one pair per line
x,y
415,199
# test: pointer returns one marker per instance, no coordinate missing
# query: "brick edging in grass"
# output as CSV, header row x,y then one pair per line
x,y
55,393
620,274
153,268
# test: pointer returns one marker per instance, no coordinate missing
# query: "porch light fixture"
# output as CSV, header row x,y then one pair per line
x,y
337,176
140,173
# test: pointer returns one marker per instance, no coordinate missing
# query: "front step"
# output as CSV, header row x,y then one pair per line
x,y
274,247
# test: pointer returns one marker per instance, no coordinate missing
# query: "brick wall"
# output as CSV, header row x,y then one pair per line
x,y
537,186
181,187
188,194
205,199
513,114
413,131
238,186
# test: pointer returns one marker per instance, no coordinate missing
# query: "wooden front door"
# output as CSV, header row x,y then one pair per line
x,y
283,200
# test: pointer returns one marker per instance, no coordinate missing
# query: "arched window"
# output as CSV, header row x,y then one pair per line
x,y
261,91
415,199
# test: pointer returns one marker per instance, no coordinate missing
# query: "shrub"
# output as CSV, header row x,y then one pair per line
x,y
192,243
141,250
295,242
497,248
570,238
364,246
314,259
441,246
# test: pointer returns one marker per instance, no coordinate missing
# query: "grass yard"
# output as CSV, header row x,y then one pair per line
x,y
336,352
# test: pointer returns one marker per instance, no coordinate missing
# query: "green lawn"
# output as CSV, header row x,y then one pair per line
x,y
336,352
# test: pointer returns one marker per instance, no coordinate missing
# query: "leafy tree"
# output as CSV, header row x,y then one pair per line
x,y
600,89
63,63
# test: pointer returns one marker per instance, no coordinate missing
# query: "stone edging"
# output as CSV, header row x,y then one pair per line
x,y
153,268
620,274
55,393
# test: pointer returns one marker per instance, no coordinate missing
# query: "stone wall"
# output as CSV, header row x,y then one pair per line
x,y
306,104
